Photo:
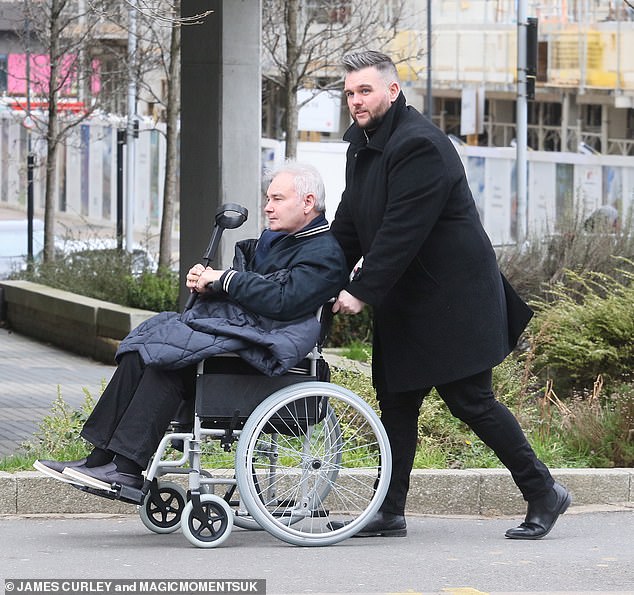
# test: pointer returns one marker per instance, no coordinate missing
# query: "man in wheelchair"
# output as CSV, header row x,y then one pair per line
x,y
263,307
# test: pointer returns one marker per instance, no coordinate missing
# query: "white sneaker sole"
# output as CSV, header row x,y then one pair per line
x,y
52,473
91,482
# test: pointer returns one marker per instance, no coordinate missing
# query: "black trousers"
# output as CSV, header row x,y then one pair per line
x,y
136,408
472,401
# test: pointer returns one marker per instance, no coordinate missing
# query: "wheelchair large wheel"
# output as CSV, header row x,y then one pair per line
x,y
313,464
267,457
213,528
162,514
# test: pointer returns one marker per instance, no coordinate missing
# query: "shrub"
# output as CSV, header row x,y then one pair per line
x,y
153,291
110,275
349,329
594,427
103,275
533,267
58,436
585,328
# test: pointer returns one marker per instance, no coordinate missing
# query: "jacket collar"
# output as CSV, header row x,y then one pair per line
x,y
356,136
316,226
245,250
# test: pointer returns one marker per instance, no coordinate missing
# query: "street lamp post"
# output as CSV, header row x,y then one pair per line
x,y
132,129
30,160
522,123
430,110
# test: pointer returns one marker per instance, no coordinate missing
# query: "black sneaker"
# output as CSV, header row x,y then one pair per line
x,y
106,477
55,469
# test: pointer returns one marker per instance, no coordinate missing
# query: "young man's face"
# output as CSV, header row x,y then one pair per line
x,y
369,96
285,210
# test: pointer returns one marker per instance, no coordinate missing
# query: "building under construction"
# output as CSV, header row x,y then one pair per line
x,y
584,97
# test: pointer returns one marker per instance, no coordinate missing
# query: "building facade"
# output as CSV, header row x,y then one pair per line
x,y
584,98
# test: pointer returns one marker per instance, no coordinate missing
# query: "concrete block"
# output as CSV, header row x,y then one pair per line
x,y
597,486
55,302
60,317
8,493
499,494
115,322
105,349
83,325
444,491
38,494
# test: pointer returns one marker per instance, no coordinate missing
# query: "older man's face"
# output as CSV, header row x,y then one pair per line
x,y
286,211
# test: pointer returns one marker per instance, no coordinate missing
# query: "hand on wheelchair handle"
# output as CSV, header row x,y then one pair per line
x,y
346,303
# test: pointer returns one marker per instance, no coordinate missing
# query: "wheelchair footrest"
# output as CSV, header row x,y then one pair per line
x,y
124,493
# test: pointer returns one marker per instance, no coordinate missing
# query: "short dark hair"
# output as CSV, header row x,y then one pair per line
x,y
370,58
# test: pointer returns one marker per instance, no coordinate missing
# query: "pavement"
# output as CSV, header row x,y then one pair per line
x,y
32,375
587,552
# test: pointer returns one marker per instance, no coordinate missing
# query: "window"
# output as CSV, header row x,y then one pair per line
x,y
328,12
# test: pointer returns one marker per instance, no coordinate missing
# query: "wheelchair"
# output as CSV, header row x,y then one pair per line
x,y
295,455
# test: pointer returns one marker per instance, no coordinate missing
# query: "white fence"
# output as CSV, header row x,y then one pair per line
x,y
86,181
558,183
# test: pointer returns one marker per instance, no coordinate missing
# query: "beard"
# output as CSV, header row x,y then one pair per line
x,y
375,118
371,124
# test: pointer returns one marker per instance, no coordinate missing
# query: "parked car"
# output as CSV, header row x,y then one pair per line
x,y
14,244
72,250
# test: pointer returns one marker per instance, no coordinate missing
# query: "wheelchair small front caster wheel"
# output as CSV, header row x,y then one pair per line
x,y
162,513
211,528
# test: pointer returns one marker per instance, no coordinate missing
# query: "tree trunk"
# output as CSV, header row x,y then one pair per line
x,y
291,15
52,139
170,190
291,120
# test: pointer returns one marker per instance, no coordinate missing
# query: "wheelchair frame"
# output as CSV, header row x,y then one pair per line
x,y
316,498
312,462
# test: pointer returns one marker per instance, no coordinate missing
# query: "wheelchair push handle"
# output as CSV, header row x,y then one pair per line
x,y
228,216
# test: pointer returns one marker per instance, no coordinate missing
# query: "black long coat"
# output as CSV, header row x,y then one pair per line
x,y
442,310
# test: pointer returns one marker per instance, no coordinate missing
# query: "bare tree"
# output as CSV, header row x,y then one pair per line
x,y
172,119
62,29
85,39
159,33
303,43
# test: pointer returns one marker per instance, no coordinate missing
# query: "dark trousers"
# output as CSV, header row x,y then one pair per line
x,y
472,401
136,408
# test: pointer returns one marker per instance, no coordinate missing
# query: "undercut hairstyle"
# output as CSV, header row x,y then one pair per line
x,y
308,180
370,58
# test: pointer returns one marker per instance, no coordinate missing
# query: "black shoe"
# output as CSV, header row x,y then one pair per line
x,y
382,524
55,469
106,477
542,514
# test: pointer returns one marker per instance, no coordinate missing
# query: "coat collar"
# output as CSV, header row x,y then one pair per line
x,y
316,226
356,136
